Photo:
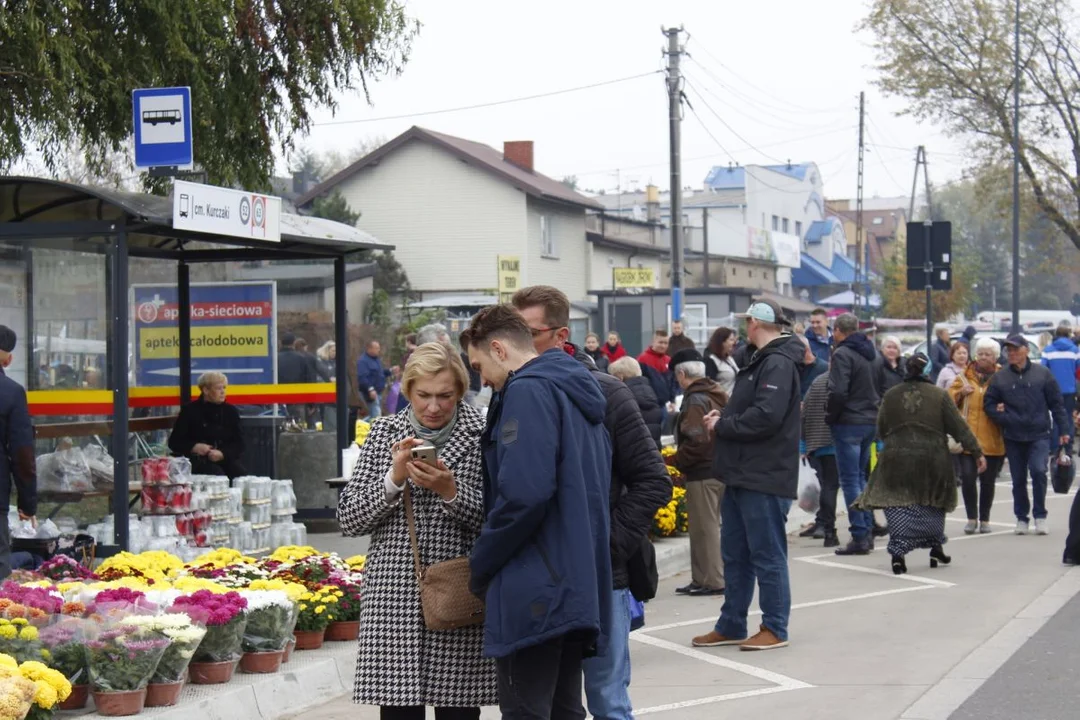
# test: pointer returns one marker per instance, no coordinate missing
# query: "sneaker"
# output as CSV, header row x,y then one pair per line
x,y
1041,526
985,529
972,527
809,530
856,547
764,640
819,533
715,639
1021,527
687,589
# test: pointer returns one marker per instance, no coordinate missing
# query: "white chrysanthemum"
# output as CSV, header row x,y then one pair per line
x,y
261,599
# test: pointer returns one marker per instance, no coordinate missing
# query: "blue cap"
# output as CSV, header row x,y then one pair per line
x,y
765,311
1016,340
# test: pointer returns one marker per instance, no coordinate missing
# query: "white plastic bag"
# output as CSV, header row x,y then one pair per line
x,y
809,493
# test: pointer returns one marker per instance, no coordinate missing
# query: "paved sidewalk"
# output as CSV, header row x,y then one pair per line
x,y
866,645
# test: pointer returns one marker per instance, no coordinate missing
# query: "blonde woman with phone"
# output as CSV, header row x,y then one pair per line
x,y
433,449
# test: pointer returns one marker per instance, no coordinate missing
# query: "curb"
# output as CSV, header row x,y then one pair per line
x,y
672,556
312,678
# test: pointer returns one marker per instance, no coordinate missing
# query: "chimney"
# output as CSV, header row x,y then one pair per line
x,y
652,203
520,153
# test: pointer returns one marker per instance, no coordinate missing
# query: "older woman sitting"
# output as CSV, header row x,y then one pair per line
x,y
208,431
403,666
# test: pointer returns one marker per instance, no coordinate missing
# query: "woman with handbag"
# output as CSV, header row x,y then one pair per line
x,y
968,391
421,632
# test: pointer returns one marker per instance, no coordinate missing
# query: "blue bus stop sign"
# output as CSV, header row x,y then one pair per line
x,y
162,122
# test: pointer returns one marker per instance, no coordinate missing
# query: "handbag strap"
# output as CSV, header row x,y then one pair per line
x,y
411,522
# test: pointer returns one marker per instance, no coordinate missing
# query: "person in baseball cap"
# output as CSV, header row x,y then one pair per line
x,y
765,311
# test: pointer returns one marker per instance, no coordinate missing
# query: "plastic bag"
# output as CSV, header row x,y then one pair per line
x,y
100,463
64,471
25,530
809,494
1064,472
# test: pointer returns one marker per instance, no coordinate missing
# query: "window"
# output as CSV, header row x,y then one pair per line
x,y
695,318
879,220
547,238
734,272
775,222
749,273
785,224
798,228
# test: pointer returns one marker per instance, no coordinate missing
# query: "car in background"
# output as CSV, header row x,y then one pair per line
x,y
1034,352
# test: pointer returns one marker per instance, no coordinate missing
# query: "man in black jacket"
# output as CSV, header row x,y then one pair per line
x,y
757,457
1021,400
16,450
851,412
640,485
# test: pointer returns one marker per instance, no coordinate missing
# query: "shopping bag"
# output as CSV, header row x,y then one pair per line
x,y
809,494
1064,472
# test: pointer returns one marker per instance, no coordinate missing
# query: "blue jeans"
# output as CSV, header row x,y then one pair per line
x,y
607,678
374,409
1025,457
753,542
1069,401
852,443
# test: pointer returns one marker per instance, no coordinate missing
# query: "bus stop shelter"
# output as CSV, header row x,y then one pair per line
x,y
39,215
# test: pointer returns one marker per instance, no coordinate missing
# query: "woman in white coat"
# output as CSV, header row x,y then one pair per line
x,y
402,665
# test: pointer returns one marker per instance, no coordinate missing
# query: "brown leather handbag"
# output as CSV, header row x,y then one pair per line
x,y
445,597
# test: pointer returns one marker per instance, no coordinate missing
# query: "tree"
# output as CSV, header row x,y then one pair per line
x,y
334,207
899,302
256,69
953,63
570,181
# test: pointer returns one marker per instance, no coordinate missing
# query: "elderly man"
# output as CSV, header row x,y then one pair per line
x,y
1063,358
704,493
17,453
851,412
757,458
1021,399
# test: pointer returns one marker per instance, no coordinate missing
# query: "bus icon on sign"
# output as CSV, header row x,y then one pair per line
x,y
154,117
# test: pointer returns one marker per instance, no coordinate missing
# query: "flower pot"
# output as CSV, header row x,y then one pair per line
x,y
211,673
77,699
286,654
261,662
119,704
343,631
309,639
163,694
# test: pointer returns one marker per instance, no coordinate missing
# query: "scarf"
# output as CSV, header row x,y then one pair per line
x,y
439,437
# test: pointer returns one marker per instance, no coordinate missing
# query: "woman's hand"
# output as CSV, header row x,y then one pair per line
x,y
980,464
438,480
215,455
402,454
200,449
967,390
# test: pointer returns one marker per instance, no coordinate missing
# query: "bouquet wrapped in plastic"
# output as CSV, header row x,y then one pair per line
x,y
185,634
123,656
225,619
66,652
270,620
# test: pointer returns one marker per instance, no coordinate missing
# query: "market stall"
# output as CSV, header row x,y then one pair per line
x,y
65,252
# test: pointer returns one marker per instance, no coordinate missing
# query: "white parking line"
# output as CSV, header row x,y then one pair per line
x,y
814,560
714,699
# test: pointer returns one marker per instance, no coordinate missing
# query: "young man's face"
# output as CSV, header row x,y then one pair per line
x,y
492,368
818,325
676,327
544,337
660,344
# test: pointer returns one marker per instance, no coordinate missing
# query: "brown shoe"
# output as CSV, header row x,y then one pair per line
x,y
715,639
764,640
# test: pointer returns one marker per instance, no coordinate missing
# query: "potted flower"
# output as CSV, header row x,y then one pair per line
x,y
16,692
294,591
19,639
346,624
67,655
269,627
315,613
168,679
63,568
47,688
225,619
122,658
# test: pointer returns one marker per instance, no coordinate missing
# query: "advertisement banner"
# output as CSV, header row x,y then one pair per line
x,y
232,331
509,276
623,278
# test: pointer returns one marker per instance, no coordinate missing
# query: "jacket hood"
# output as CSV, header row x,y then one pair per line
x,y
1063,344
570,376
711,388
860,344
789,345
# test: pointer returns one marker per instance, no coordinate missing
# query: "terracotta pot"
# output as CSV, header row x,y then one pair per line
x,y
77,699
309,639
261,662
286,654
163,694
343,631
211,673
119,704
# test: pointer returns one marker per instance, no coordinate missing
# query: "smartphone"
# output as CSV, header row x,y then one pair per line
x,y
426,454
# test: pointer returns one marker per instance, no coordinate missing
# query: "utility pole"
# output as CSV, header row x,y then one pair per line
x,y
1016,178
705,243
928,223
674,88
856,289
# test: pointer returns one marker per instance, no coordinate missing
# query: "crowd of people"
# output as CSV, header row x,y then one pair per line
x,y
539,499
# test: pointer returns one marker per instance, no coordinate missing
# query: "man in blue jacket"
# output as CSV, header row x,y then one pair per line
x,y
1063,359
818,336
17,451
543,559
1021,399
371,377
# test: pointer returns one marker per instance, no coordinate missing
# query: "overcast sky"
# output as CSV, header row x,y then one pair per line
x,y
785,75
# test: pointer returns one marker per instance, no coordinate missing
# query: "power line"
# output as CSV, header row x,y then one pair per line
x,y
493,103
883,164
725,123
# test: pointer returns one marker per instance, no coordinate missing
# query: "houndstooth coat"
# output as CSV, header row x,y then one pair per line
x,y
400,661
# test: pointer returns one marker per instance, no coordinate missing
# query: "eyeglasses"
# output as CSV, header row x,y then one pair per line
x,y
536,332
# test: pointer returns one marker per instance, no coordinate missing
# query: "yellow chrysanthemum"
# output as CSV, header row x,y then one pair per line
x,y
320,610
303,606
28,633
8,632
6,661
356,562
20,622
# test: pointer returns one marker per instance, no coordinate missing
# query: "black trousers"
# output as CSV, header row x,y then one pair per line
x,y
1072,543
542,682
829,479
978,489
419,713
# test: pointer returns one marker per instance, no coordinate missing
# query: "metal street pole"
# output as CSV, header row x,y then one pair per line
x,y
674,86
1016,178
928,267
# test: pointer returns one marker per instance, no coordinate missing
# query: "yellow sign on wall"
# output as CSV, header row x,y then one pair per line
x,y
509,267
634,278
206,341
